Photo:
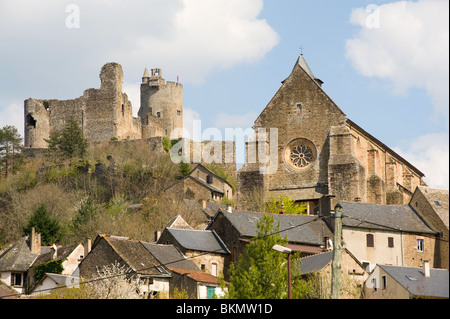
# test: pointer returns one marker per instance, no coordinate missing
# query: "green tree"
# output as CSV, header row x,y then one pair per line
x,y
43,223
275,204
11,157
69,142
185,169
261,272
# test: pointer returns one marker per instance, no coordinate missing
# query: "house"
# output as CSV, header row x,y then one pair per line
x,y
387,234
108,250
318,269
398,282
207,207
197,284
69,256
432,204
204,247
306,233
201,183
17,259
50,282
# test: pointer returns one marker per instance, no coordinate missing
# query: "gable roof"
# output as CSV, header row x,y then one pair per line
x,y
414,280
169,256
201,182
383,217
17,257
178,222
200,240
303,65
439,201
302,229
315,263
62,252
135,255
198,276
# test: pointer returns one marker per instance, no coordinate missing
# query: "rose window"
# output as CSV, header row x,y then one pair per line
x,y
301,156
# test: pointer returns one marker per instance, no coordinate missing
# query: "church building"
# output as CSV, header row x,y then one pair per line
x,y
322,153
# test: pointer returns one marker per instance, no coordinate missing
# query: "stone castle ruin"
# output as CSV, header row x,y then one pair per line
x,y
105,114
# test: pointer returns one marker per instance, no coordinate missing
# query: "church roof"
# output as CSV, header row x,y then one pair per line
x,y
304,65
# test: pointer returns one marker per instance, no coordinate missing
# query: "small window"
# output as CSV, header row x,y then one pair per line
x,y
374,281
158,114
178,112
420,245
299,108
369,240
383,282
16,279
209,179
390,242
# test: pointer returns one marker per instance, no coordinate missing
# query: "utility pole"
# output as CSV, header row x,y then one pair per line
x,y
337,254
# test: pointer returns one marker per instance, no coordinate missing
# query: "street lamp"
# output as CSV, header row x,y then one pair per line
x,y
287,251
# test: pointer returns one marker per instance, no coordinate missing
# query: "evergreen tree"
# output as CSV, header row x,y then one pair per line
x,y
43,223
261,272
69,141
10,150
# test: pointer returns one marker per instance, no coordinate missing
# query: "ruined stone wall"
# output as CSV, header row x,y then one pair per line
x,y
103,113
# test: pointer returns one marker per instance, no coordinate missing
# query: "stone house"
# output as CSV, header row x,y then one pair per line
x,y
432,205
307,234
17,259
201,184
204,247
319,151
70,257
197,284
318,269
114,250
397,282
387,234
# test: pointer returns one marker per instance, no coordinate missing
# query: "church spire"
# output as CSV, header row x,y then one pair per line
x,y
304,65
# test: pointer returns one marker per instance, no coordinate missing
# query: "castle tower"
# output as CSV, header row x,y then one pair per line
x,y
162,99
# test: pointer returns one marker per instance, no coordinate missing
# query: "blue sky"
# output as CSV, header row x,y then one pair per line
x,y
385,63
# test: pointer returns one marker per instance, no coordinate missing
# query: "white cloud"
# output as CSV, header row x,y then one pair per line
x,y
408,44
189,38
430,154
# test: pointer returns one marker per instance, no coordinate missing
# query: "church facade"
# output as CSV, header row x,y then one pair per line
x,y
322,153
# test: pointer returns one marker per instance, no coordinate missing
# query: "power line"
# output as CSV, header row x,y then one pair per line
x,y
163,264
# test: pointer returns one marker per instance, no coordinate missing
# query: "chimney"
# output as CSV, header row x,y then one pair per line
x,y
53,252
327,243
157,235
426,268
35,242
229,209
87,246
